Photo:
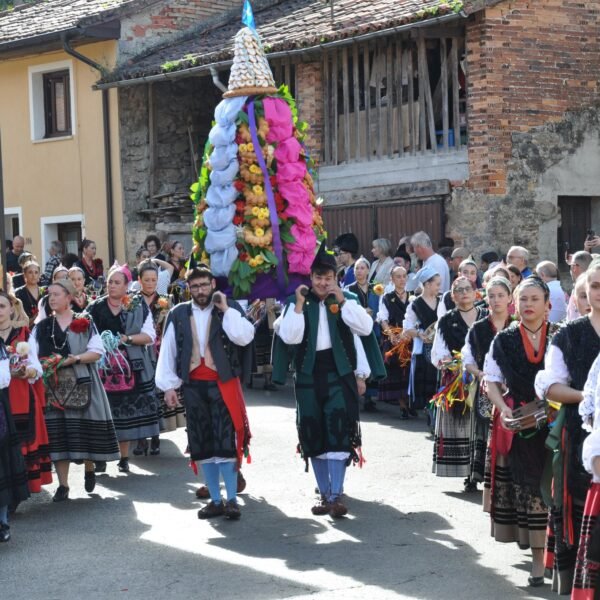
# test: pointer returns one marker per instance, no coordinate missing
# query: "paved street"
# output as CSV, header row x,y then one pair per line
x,y
410,535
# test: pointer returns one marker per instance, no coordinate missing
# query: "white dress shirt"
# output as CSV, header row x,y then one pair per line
x,y
440,266
290,328
236,327
558,301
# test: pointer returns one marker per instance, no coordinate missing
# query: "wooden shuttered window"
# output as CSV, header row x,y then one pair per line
x,y
57,104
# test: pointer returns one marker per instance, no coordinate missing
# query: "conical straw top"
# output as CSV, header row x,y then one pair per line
x,y
250,72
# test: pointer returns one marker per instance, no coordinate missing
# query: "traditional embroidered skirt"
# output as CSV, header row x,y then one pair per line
x,y
27,405
451,442
423,378
477,444
87,434
135,413
170,419
518,513
395,386
13,476
587,568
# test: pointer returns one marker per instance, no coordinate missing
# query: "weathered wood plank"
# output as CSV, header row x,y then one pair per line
x,y
389,93
379,115
356,102
428,97
326,109
346,98
411,99
288,72
421,60
398,70
455,92
152,140
367,97
444,76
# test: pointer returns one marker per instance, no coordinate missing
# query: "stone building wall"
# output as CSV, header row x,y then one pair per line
x,y
533,76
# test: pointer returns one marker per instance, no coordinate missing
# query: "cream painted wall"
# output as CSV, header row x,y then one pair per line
x,y
51,178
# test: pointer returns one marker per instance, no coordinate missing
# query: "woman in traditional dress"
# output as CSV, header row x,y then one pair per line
x,y
43,307
89,264
26,395
126,327
518,451
452,423
170,417
392,311
69,348
468,269
369,300
80,300
381,268
13,476
477,345
572,351
177,259
418,324
30,293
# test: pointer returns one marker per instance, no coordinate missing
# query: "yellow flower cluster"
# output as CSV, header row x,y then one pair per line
x,y
256,261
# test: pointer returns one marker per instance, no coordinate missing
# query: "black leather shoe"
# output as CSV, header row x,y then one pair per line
x,y
61,494
141,448
4,533
232,510
124,465
100,466
155,446
536,581
90,481
211,510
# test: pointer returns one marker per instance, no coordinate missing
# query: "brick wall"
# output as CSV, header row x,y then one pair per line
x,y
309,96
528,62
166,19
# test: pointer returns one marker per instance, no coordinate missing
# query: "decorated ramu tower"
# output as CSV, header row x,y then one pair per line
x,y
258,223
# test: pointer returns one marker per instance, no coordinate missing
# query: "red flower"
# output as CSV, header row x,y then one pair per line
x,y
238,220
80,325
243,256
239,185
240,205
273,180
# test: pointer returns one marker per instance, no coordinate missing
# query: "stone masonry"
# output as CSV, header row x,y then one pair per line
x,y
533,77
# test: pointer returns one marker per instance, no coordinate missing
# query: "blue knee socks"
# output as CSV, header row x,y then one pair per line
x,y
321,471
211,477
4,514
337,472
230,475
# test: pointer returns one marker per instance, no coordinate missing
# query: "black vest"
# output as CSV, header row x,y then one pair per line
x,y
231,360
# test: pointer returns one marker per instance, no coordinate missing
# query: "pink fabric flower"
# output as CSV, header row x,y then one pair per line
x,y
279,116
288,151
299,206
302,252
294,171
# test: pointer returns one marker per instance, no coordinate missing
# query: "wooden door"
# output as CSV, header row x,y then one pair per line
x,y
575,220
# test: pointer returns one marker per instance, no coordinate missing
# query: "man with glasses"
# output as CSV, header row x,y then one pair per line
x,y
580,261
205,351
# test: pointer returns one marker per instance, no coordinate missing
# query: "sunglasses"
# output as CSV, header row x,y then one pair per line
x,y
462,290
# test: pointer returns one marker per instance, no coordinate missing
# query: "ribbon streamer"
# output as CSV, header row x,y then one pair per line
x,y
277,246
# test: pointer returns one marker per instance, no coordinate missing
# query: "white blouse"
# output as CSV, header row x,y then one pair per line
x,y
555,371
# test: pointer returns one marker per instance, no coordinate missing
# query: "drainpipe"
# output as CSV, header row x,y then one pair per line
x,y
216,80
108,178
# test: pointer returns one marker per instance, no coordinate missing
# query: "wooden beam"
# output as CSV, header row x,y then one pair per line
x,y
455,92
413,135
346,98
444,76
428,98
356,99
421,68
379,115
367,94
398,70
389,92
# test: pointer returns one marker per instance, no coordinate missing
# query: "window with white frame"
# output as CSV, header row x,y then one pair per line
x,y
51,100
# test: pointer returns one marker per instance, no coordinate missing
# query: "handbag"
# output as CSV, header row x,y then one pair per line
x,y
116,374
69,392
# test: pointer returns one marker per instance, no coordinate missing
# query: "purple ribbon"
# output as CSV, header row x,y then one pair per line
x,y
277,246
